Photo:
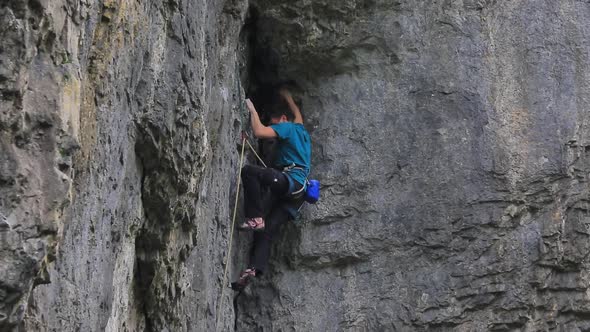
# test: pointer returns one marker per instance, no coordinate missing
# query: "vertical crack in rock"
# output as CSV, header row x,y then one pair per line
x,y
262,65
163,215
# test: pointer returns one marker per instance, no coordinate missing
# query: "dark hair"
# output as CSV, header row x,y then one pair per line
x,y
279,108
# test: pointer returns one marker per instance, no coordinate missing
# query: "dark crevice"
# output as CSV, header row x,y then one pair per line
x,y
156,226
261,76
143,272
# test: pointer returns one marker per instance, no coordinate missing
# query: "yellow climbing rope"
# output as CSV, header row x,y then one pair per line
x,y
231,235
253,150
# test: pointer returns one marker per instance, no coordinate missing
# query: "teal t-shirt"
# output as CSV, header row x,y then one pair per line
x,y
294,147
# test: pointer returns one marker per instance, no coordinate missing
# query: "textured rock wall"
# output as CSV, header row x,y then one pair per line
x,y
452,139
119,121
39,128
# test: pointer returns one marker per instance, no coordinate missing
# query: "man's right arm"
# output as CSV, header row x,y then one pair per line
x,y
292,106
260,130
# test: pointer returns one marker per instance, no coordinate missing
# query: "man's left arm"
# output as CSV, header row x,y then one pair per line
x,y
292,105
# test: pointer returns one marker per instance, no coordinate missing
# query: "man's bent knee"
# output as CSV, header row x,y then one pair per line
x,y
248,170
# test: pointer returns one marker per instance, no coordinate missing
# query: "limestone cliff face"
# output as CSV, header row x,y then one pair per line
x,y
119,122
452,139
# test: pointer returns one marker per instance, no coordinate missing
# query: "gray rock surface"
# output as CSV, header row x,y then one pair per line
x,y
452,139
119,122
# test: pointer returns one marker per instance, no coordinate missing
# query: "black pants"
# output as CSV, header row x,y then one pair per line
x,y
258,184
260,252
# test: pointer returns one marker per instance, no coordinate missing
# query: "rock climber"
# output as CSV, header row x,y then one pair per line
x,y
286,180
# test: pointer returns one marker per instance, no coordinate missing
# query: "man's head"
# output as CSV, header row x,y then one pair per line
x,y
280,112
277,120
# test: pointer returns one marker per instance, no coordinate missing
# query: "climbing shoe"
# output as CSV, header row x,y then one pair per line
x,y
252,224
244,279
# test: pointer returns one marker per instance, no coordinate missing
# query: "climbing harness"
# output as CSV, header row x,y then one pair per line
x,y
231,236
310,189
295,193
